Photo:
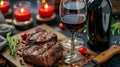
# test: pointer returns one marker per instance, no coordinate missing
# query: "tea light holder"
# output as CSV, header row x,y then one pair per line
x,y
5,7
46,12
22,15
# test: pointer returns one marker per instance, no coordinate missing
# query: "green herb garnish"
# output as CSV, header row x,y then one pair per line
x,y
115,27
12,43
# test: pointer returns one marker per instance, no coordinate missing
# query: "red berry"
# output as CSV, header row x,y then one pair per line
x,y
83,50
61,26
24,36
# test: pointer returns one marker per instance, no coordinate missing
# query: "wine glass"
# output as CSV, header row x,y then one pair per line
x,y
73,16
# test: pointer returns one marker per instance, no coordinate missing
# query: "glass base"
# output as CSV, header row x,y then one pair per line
x,y
78,43
75,60
72,58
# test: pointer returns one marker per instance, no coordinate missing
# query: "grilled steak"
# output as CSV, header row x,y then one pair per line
x,y
45,55
41,36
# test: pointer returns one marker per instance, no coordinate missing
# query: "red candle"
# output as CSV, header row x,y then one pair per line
x,y
22,14
4,6
46,11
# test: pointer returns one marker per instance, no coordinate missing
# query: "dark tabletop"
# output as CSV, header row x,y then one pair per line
x,y
113,62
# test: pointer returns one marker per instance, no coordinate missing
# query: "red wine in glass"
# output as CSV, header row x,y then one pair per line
x,y
73,16
73,22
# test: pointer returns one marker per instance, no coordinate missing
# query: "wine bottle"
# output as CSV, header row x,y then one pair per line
x,y
99,21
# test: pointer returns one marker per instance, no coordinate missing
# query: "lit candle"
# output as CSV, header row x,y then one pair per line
x,y
4,6
45,11
22,14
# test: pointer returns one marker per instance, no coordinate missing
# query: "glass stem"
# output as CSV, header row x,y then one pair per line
x,y
72,44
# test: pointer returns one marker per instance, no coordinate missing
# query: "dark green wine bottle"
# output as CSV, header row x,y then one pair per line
x,y
99,21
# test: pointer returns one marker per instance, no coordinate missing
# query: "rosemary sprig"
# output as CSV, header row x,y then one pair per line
x,y
115,27
12,43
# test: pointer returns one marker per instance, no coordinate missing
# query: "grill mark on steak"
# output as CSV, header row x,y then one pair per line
x,y
36,40
36,33
37,50
34,36
42,38
50,35
47,46
32,48
56,47
50,53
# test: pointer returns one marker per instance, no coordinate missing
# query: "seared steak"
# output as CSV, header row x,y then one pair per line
x,y
45,55
41,36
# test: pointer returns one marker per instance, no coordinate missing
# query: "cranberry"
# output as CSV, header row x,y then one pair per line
x,y
24,36
61,26
83,50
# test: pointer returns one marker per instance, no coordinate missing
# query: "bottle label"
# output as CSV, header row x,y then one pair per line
x,y
105,14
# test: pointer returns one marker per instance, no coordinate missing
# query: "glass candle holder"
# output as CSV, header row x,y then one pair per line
x,y
45,8
22,13
5,7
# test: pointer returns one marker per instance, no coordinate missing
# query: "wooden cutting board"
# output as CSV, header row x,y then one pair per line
x,y
16,59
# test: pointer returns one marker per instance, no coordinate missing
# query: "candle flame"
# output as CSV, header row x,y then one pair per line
x,y
43,1
46,6
2,2
21,10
